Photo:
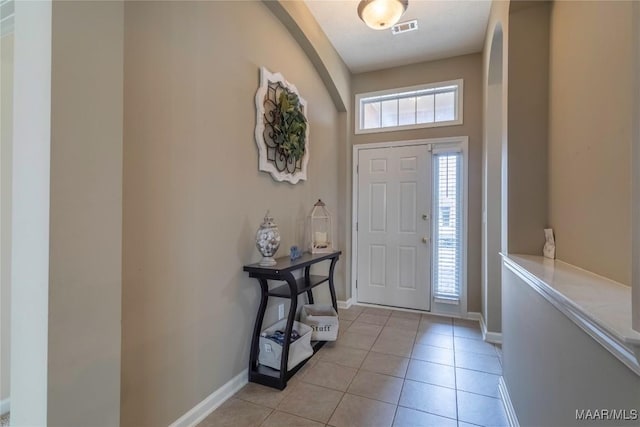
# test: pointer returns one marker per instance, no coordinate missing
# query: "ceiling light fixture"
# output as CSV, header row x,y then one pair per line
x,y
381,14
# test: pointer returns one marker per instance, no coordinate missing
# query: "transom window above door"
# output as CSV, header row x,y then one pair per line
x,y
430,105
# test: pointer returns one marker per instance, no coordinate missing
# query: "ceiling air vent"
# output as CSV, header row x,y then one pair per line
x,y
404,27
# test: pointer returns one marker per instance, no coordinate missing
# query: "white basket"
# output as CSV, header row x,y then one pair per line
x,y
323,319
270,353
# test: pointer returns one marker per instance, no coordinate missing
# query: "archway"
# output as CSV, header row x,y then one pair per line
x,y
493,183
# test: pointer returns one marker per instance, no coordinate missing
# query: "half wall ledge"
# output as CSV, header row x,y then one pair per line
x,y
599,306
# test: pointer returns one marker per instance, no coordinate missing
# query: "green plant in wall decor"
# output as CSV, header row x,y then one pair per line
x,y
282,129
291,125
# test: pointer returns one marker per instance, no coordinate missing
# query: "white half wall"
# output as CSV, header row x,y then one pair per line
x,y
30,228
552,368
6,159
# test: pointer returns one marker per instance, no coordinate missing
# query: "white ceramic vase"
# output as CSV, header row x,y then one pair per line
x,y
268,240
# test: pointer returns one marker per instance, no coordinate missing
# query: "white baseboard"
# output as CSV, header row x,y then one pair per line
x,y
506,402
492,337
199,412
5,405
470,315
388,307
474,315
345,304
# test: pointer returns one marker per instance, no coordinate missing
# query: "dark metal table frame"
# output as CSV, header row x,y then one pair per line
x,y
283,271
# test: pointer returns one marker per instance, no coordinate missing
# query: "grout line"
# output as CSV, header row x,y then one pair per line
x,y
479,354
451,388
336,408
395,413
267,417
347,389
435,385
479,394
354,377
475,370
404,381
430,413
365,371
376,400
455,374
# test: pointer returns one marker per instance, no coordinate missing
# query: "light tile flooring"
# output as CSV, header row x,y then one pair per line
x,y
387,368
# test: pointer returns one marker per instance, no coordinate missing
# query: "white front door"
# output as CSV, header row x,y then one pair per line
x,y
394,227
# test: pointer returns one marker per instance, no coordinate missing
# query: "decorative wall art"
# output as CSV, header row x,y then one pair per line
x,y
282,129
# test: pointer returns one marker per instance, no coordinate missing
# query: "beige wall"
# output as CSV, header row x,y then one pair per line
x,y
6,139
469,68
303,27
528,111
86,214
635,186
590,128
193,195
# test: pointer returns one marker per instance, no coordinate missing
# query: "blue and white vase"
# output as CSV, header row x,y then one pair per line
x,y
268,240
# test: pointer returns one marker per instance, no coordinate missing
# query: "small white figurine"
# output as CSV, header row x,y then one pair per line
x,y
549,250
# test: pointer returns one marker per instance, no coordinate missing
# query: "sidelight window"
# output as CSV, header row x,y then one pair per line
x,y
448,224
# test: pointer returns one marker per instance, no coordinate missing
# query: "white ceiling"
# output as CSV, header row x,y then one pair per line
x,y
446,28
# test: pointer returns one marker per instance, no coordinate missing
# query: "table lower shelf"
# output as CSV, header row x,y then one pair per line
x,y
283,291
272,378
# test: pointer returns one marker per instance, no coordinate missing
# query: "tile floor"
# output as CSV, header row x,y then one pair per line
x,y
387,368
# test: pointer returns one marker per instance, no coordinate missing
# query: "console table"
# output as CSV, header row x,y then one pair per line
x,y
283,271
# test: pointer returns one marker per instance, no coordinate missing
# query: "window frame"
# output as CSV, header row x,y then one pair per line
x,y
458,107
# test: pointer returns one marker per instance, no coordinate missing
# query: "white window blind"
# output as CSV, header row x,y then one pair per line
x,y
447,251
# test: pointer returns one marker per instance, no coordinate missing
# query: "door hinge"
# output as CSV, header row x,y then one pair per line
x,y
357,226
357,169
356,283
